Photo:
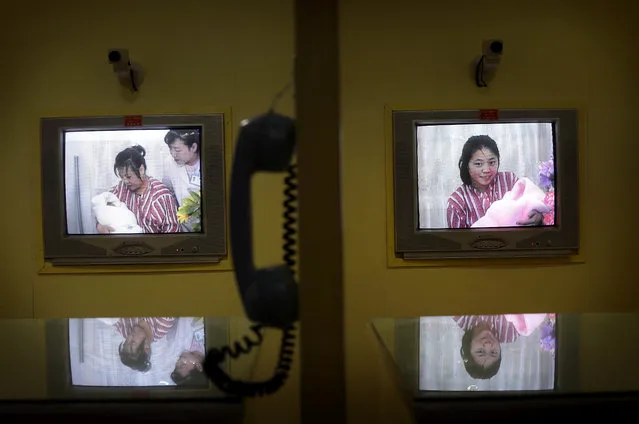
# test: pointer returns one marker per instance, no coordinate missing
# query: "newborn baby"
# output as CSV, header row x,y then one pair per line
x,y
515,206
109,211
526,324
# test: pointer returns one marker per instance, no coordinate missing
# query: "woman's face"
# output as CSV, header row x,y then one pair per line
x,y
485,348
483,167
133,341
181,153
130,180
187,362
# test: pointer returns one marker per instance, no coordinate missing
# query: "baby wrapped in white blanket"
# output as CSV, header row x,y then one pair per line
x,y
110,211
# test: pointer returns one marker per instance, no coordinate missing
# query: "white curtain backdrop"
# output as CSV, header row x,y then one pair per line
x,y
94,152
522,146
524,365
95,360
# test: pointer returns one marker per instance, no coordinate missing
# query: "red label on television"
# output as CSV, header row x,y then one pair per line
x,y
133,121
489,114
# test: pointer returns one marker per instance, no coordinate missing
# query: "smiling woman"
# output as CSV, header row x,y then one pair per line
x,y
483,184
481,343
484,334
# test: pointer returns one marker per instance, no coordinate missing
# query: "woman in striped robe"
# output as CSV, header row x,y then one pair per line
x,y
139,333
483,336
152,203
483,184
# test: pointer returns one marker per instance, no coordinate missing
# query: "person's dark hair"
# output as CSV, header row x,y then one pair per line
x,y
472,368
130,158
189,137
192,379
138,360
474,143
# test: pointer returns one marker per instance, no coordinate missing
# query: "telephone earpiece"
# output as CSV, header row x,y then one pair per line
x,y
264,144
269,295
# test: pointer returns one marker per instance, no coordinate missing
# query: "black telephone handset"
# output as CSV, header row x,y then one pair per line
x,y
269,295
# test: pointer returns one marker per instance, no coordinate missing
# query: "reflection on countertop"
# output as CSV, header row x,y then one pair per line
x,y
100,358
513,353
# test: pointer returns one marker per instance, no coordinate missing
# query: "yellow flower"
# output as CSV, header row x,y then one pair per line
x,y
182,217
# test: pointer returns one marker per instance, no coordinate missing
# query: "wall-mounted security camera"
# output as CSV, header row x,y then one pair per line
x,y
129,74
487,64
493,48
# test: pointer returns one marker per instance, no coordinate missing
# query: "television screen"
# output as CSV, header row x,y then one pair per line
x,y
485,175
513,352
133,181
137,352
484,183
143,189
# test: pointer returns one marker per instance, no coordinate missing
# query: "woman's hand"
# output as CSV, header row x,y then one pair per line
x,y
535,218
104,229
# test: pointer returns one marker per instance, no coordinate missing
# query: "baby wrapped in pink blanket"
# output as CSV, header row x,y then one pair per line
x,y
515,206
525,324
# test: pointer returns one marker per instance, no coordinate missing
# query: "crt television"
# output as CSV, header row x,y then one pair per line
x,y
441,355
131,190
104,358
485,183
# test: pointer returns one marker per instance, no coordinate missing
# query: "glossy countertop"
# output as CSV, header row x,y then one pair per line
x,y
118,358
546,353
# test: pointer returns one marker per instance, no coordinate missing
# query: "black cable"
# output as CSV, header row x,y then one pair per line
x,y
479,73
290,218
215,357
132,75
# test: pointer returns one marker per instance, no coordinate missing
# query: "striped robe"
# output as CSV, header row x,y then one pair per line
x,y
503,330
467,204
155,209
160,326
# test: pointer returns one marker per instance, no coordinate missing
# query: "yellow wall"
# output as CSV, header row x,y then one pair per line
x,y
199,56
411,53
207,54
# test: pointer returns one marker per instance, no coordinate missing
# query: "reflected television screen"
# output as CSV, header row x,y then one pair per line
x,y
514,352
137,352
